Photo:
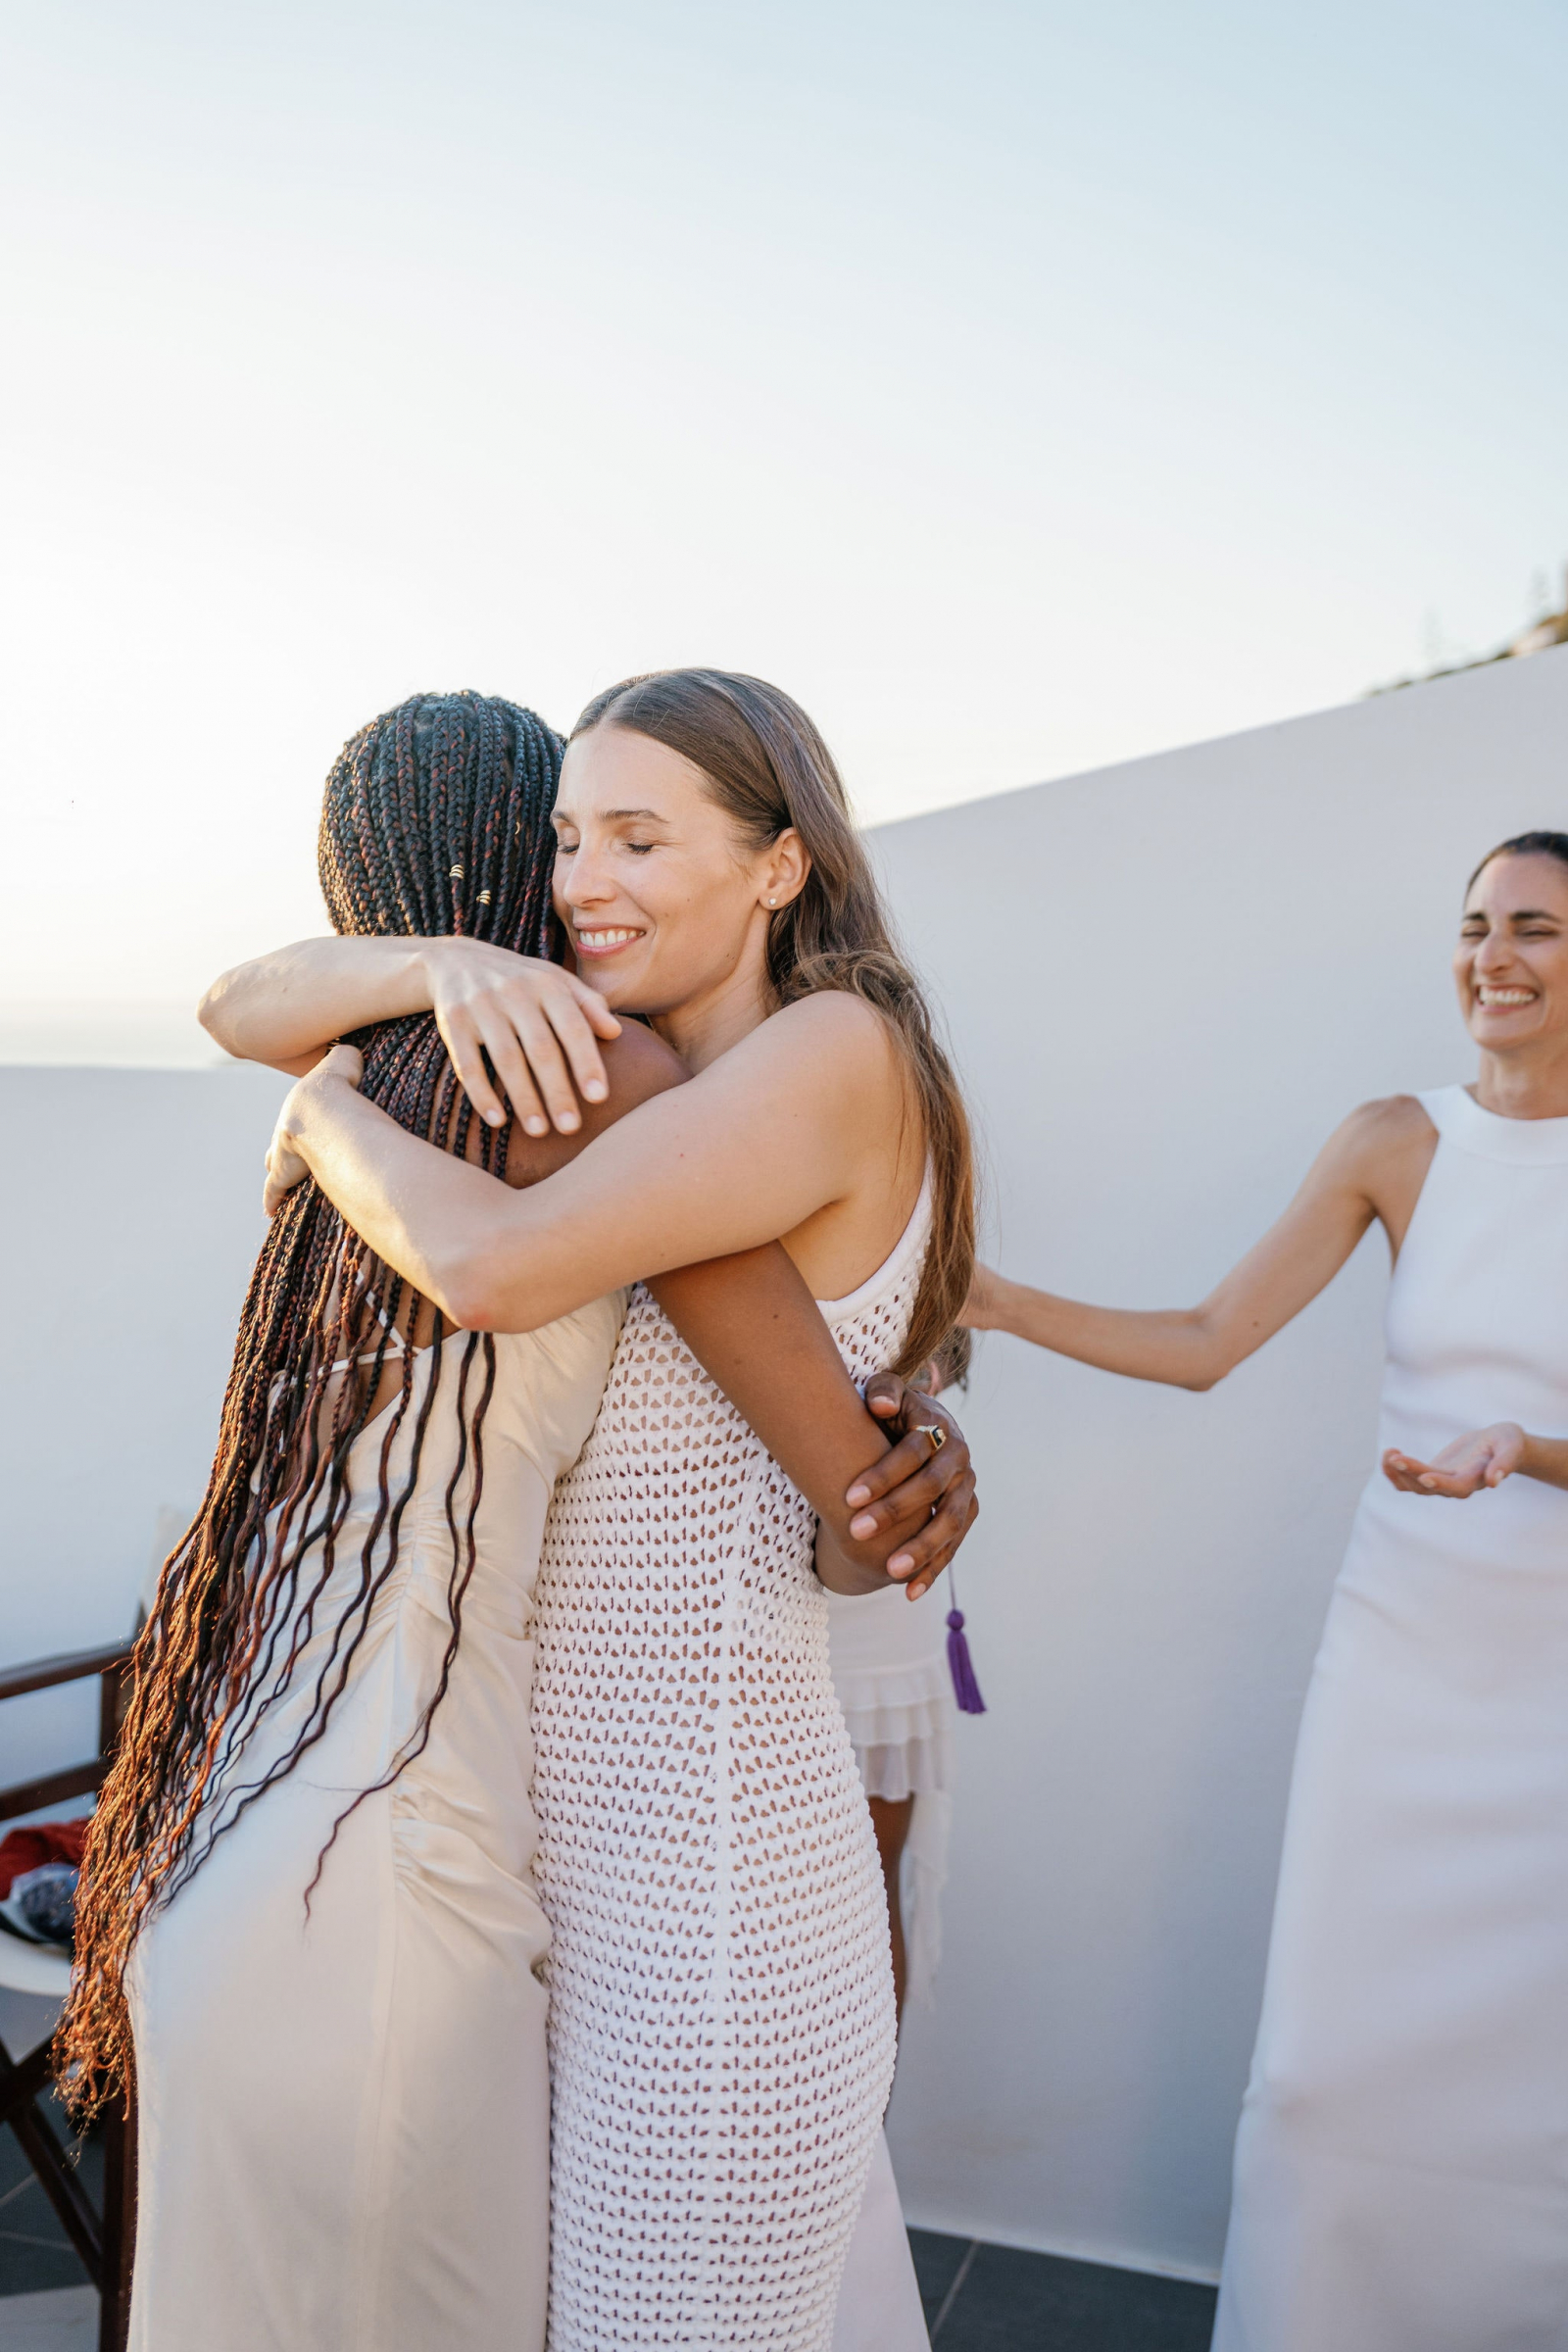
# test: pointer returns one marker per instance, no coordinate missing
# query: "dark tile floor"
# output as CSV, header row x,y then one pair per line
x,y
34,2251
978,2299
981,2298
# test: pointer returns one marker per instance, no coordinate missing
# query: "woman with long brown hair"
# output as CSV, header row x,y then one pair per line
x,y
723,2017
312,1867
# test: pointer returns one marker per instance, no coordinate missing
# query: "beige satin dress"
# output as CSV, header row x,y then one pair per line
x,y
345,2117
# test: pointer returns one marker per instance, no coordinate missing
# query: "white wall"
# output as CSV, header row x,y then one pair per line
x,y
1165,982
130,1219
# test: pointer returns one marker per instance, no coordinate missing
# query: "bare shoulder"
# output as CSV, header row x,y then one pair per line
x,y
1393,1123
834,1034
638,1064
1382,1141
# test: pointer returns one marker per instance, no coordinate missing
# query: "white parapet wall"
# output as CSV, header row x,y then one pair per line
x,y
1165,982
130,1215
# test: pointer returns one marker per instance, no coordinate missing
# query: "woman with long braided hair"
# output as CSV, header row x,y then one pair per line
x,y
308,1899
722,1991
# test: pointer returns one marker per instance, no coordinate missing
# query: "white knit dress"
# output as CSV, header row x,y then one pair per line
x,y
721,1994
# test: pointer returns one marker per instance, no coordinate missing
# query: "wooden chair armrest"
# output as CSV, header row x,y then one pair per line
x,y
71,1666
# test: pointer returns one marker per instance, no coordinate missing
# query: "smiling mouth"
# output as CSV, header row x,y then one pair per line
x,y
1505,1000
603,942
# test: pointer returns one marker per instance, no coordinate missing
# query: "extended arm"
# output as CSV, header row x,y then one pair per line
x,y
1366,1170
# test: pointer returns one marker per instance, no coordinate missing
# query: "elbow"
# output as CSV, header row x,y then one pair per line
x,y
1210,1358
468,1284
213,1012
466,1299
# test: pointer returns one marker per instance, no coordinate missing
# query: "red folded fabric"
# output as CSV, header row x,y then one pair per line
x,y
39,1842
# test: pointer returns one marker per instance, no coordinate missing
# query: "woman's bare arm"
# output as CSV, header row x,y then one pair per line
x,y
765,1136
1371,1167
538,1023
754,1326
750,1321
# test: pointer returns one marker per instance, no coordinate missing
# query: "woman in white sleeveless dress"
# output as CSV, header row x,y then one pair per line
x,y
893,1680
1401,2175
333,1977
722,2022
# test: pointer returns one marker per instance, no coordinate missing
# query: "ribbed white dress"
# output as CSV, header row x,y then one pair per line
x,y
1401,2169
721,1994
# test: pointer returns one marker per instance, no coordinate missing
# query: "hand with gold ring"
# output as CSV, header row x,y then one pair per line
x,y
910,1498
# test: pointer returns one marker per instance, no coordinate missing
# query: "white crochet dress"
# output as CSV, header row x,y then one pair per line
x,y
721,1994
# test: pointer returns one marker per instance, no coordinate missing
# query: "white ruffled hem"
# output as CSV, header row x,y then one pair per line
x,y
899,1710
905,1707
906,1760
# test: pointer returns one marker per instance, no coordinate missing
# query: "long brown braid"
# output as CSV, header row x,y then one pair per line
x,y
435,820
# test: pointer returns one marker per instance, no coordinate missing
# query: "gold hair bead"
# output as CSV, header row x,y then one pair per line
x,y
484,898
455,874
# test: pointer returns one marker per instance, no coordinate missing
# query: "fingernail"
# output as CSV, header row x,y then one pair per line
x,y
537,1126
495,1118
596,1090
1427,1481
858,1494
866,1525
900,1564
569,1122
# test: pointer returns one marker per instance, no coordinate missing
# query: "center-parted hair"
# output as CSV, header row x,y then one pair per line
x,y
435,821
767,767
1540,843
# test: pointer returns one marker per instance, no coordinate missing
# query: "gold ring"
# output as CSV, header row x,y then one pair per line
x,y
935,1432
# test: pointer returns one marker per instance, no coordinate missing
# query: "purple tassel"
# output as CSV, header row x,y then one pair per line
x,y
966,1689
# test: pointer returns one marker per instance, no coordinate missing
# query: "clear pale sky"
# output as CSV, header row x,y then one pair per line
x,y
1023,386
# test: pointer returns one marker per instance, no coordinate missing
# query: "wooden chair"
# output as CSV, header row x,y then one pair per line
x,y
103,2239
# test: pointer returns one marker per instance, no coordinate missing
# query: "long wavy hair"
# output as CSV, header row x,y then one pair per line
x,y
435,820
767,767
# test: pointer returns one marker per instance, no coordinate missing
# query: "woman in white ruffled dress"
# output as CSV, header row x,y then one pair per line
x,y
894,1680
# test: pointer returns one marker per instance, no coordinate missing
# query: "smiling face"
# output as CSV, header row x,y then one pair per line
x,y
1511,963
666,902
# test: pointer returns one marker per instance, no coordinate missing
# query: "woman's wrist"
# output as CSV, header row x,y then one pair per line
x,y
989,1299
1003,1306
292,1154
425,963
1545,1458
